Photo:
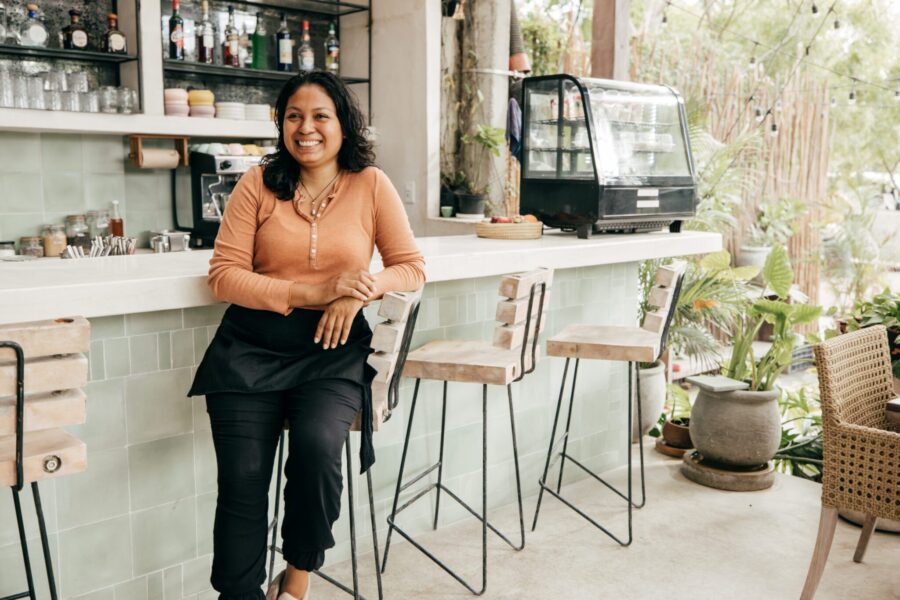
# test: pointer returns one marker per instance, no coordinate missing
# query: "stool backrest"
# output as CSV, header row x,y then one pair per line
x,y
42,369
391,340
664,298
524,298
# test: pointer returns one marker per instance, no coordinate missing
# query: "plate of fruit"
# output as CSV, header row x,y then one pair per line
x,y
517,227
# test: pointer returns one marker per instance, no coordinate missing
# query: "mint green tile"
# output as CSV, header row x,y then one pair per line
x,y
196,575
117,357
96,360
22,193
156,405
107,327
213,594
8,532
104,153
15,226
160,536
20,152
457,287
12,573
206,516
448,310
172,583
61,153
101,492
142,191
135,589
204,315
201,417
104,594
144,353
161,471
204,462
80,571
104,425
63,192
139,224
201,341
101,189
155,586
165,351
182,348
152,322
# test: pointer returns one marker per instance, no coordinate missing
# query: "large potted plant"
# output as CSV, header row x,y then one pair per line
x,y
742,428
882,309
773,225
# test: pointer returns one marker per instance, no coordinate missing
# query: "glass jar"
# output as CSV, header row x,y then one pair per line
x,y
54,240
31,245
77,232
7,248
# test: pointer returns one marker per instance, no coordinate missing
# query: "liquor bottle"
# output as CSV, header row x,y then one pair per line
x,y
206,36
114,40
232,42
34,33
116,224
245,49
75,36
306,58
332,51
176,33
284,46
260,44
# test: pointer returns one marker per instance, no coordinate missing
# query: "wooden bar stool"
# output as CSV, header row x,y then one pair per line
x,y
616,343
503,362
40,383
390,340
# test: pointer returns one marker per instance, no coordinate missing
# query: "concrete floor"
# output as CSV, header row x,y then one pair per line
x,y
690,542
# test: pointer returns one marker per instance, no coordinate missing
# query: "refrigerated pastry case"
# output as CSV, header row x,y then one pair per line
x,y
605,156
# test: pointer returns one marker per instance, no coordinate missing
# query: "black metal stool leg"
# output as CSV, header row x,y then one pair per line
x,y
512,426
562,462
391,527
437,502
637,381
377,554
45,543
22,539
351,508
543,479
484,519
274,525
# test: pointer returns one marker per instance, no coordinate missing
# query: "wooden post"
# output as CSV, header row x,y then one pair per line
x,y
609,39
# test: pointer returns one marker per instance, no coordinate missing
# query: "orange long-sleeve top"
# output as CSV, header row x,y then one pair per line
x,y
264,244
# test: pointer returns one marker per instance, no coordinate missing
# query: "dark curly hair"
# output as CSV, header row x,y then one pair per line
x,y
280,171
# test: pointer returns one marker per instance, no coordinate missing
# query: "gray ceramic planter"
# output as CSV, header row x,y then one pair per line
x,y
739,428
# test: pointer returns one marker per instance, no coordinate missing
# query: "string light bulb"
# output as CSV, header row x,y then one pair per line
x,y
815,9
833,101
753,56
837,23
758,115
897,95
851,97
665,18
773,129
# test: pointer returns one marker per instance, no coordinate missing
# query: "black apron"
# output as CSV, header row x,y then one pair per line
x,y
263,351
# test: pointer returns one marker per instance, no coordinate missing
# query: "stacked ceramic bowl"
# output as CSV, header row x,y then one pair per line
x,y
231,110
176,102
258,112
201,102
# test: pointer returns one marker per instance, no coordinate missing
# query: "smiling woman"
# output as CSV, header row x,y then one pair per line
x,y
292,256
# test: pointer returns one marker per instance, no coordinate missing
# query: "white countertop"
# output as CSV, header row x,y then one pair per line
x,y
50,288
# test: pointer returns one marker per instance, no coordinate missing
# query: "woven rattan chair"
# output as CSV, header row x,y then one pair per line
x,y
862,453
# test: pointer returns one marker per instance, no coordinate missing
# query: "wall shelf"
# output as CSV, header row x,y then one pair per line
x,y
60,53
331,8
226,72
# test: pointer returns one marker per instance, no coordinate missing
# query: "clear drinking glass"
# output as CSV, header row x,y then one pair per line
x,y
20,91
90,102
53,100
126,100
6,87
78,81
55,80
35,86
70,101
109,99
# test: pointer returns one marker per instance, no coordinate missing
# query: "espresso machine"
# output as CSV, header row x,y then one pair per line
x,y
213,177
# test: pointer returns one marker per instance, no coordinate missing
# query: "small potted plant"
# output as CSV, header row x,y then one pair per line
x,y
676,433
773,226
471,199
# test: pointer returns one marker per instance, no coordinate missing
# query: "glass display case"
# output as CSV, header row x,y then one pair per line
x,y
601,155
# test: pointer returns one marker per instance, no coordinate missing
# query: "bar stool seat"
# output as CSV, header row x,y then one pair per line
x,y
605,342
465,361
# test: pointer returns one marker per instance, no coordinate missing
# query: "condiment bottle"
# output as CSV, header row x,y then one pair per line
x,y
116,224
77,231
54,240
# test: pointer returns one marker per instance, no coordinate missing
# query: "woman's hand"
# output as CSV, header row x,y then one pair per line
x,y
335,323
350,284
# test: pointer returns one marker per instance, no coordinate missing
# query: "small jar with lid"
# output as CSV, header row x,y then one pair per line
x,y
97,222
54,239
77,231
31,245
7,248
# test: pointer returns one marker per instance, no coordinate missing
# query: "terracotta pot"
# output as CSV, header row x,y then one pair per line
x,y
740,428
653,398
678,435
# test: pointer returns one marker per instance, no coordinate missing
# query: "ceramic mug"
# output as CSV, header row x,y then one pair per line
x,y
446,211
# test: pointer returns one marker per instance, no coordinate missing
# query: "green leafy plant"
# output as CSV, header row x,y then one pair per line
x,y
882,309
771,307
491,139
774,221
800,451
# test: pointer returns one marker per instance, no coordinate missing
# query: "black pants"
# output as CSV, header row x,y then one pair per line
x,y
245,430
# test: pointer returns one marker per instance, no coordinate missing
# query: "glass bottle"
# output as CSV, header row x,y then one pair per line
x,y
176,33
306,57
245,49
206,36
54,240
34,33
113,39
116,224
31,245
75,36
4,23
332,51
260,45
284,46
77,233
231,49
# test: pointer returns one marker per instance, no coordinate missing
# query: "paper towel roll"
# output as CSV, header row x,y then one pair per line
x,y
157,158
